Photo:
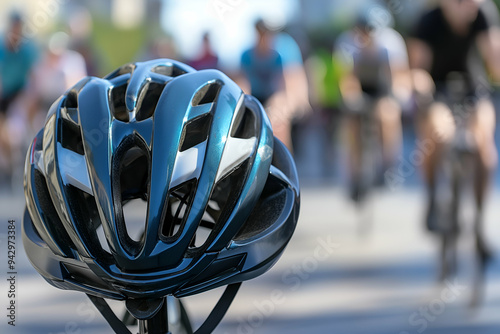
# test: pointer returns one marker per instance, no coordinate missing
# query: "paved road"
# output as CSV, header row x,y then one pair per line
x,y
340,274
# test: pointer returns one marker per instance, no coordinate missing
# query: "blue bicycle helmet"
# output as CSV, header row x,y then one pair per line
x,y
189,143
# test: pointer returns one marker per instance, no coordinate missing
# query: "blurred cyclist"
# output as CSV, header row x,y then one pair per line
x,y
262,67
17,57
59,69
207,58
292,102
80,25
376,75
451,43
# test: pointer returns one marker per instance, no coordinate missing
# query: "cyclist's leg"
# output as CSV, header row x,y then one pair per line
x,y
482,126
387,112
6,145
280,115
354,151
428,123
283,131
5,150
436,129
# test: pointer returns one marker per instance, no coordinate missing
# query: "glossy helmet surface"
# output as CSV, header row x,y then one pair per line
x,y
198,151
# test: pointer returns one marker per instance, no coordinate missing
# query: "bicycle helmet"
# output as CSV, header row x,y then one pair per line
x,y
189,143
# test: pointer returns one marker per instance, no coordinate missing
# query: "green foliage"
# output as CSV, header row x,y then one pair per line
x,y
117,46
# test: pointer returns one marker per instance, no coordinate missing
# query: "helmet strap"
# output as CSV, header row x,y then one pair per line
x,y
219,310
213,319
108,314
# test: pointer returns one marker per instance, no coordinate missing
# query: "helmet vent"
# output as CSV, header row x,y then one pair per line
x,y
227,192
207,224
134,212
201,236
180,199
245,124
130,178
71,136
70,107
49,215
168,70
207,94
224,196
134,174
71,100
195,132
71,114
102,239
147,105
118,107
127,68
84,206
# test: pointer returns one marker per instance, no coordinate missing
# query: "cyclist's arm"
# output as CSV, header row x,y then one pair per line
x,y
242,81
280,72
294,74
350,87
401,83
242,78
422,38
488,43
420,54
398,65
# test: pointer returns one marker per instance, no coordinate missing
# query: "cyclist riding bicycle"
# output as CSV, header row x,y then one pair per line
x,y
373,86
262,65
221,191
451,43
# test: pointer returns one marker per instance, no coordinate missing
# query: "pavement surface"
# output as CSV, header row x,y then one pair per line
x,y
343,272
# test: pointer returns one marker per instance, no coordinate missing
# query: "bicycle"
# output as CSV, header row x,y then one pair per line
x,y
366,166
460,160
